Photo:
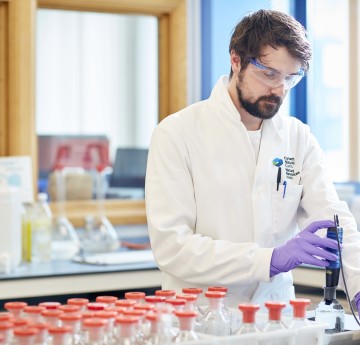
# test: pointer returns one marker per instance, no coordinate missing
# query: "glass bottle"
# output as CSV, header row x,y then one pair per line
x,y
33,313
225,305
109,300
215,321
15,308
125,303
248,318
299,314
73,321
65,241
6,331
95,330
166,293
141,326
200,301
51,316
60,335
81,302
274,321
330,311
186,326
24,336
109,317
126,329
41,337
177,304
137,296
160,333
39,224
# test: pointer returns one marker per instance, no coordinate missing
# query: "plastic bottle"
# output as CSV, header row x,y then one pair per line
x,y
166,293
248,318
38,231
186,326
51,316
200,301
215,321
41,337
137,296
160,332
109,317
125,303
274,321
299,315
330,311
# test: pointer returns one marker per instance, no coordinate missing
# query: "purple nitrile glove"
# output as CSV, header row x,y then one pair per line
x,y
302,249
357,302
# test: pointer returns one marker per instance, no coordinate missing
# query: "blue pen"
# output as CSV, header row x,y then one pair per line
x,y
284,184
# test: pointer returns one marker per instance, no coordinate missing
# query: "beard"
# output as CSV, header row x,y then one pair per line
x,y
260,107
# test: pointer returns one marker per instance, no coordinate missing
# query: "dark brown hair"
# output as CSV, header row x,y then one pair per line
x,y
268,27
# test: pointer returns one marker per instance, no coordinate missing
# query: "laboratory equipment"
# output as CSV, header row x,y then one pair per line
x,y
248,320
37,231
329,310
215,321
99,235
299,314
186,326
274,321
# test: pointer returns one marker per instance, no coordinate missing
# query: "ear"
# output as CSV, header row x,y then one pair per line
x,y
235,62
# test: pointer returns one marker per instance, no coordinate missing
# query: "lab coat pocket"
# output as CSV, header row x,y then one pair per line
x,y
284,207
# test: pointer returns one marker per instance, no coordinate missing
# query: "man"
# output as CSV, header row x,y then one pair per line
x,y
230,183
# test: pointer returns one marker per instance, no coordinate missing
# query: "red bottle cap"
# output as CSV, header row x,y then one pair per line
x,y
135,295
68,308
248,311
155,299
218,288
127,303
39,325
165,293
143,306
5,316
127,319
187,297
87,314
19,321
6,325
135,312
185,313
96,306
33,309
118,310
60,330
105,314
94,322
275,309
25,331
70,316
50,305
215,294
15,305
78,301
192,290
51,313
300,305
176,301
106,299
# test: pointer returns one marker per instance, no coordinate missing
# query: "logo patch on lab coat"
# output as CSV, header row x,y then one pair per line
x,y
289,168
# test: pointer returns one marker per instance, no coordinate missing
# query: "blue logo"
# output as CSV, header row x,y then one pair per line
x,y
278,162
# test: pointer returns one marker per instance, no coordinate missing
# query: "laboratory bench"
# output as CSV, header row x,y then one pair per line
x,y
70,278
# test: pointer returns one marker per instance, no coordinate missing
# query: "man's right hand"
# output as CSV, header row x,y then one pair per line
x,y
305,248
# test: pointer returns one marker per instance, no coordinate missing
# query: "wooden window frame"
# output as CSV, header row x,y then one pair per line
x,y
17,81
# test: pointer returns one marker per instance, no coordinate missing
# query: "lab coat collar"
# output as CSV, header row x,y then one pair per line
x,y
220,95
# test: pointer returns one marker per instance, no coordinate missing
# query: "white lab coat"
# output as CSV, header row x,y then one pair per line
x,y
214,214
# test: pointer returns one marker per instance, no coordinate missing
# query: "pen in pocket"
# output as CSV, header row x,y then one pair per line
x,y
284,192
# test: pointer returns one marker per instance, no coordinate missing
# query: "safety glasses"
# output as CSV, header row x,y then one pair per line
x,y
273,78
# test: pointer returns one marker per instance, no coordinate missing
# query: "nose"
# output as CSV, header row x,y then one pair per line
x,y
279,91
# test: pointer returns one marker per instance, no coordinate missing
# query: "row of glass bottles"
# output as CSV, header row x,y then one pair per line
x,y
164,318
45,238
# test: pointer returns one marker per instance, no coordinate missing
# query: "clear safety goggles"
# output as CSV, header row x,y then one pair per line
x,y
273,78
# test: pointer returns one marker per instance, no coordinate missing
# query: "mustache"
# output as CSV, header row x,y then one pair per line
x,y
272,98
